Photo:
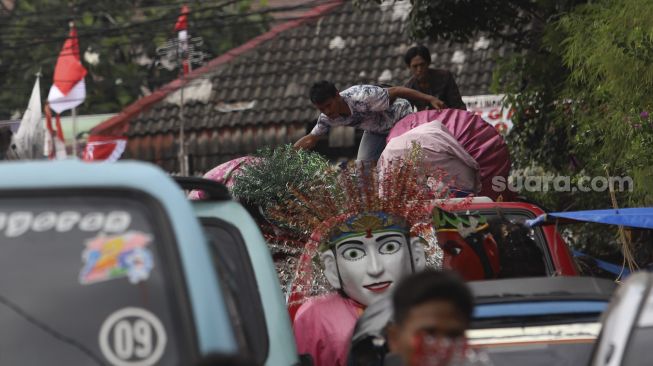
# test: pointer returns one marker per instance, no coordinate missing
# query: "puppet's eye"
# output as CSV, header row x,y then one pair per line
x,y
352,254
390,247
452,248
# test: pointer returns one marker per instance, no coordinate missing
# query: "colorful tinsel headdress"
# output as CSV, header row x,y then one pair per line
x,y
366,222
323,208
355,200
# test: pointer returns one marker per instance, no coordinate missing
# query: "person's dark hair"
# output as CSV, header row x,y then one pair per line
x,y
430,285
417,51
322,91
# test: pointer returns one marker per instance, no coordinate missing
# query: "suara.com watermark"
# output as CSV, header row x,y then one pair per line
x,y
562,183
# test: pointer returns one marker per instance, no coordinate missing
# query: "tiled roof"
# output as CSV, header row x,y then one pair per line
x,y
259,97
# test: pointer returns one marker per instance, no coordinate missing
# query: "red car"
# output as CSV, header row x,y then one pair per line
x,y
552,256
556,256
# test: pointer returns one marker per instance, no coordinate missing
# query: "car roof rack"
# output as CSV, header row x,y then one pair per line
x,y
213,190
530,288
475,199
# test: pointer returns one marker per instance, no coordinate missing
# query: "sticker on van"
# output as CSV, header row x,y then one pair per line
x,y
116,256
132,337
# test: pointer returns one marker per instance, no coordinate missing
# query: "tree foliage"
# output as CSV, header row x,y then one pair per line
x,y
118,41
608,49
580,81
519,22
597,83
581,84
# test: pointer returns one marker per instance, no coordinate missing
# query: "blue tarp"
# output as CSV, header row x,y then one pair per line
x,y
641,217
612,268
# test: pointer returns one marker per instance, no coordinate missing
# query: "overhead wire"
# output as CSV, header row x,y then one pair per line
x,y
84,32
48,13
290,65
196,28
173,15
168,16
198,24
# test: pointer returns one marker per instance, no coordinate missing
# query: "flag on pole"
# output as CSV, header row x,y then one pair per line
x,y
28,140
104,148
181,27
182,21
55,147
69,89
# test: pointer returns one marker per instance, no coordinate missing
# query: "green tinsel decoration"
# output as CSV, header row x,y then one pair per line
x,y
267,182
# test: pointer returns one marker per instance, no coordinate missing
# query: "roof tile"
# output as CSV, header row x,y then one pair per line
x,y
277,75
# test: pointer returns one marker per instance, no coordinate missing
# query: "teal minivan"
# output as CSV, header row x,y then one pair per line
x,y
108,264
245,263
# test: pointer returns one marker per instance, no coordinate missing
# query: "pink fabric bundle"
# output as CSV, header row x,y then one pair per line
x,y
224,173
480,139
441,151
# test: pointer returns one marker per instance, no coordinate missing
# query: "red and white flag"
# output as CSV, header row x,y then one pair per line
x,y
181,27
182,20
104,148
69,89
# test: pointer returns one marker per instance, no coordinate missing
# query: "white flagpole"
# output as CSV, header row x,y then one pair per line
x,y
71,25
75,132
35,148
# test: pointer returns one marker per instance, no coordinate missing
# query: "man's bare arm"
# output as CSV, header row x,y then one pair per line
x,y
307,142
412,94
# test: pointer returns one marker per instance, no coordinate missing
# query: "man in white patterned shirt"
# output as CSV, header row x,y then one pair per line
x,y
373,109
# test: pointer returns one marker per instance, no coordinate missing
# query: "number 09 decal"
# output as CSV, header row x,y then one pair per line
x,y
132,337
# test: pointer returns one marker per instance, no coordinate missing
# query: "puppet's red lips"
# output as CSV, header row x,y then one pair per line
x,y
379,286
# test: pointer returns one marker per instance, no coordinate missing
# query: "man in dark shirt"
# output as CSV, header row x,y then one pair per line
x,y
436,82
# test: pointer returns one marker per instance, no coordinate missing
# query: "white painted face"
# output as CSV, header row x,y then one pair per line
x,y
370,266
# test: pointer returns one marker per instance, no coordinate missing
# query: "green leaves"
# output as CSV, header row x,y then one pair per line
x,y
87,18
579,83
579,98
267,182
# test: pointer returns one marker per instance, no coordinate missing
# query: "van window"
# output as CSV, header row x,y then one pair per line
x,y
239,282
84,281
522,252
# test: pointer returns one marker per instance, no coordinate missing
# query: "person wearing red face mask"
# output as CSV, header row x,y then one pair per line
x,y
468,246
432,311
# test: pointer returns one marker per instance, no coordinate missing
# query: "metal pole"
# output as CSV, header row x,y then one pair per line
x,y
183,159
75,132
184,171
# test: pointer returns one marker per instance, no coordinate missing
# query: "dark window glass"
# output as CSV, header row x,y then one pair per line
x,y
520,255
636,353
239,281
559,354
84,281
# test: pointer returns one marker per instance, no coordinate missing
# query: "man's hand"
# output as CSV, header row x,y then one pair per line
x,y
411,94
437,104
307,142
